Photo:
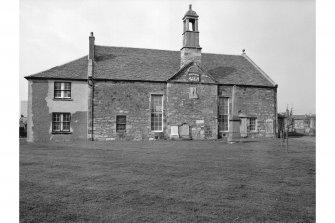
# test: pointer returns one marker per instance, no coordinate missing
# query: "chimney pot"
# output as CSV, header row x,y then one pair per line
x,y
91,46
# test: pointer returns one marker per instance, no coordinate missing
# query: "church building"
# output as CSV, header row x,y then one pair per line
x,y
121,93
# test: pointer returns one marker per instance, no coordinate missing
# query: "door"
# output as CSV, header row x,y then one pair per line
x,y
243,127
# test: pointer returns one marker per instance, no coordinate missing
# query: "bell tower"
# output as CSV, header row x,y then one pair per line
x,y
191,50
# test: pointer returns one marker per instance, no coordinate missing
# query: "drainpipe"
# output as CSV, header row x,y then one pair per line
x,y
91,84
276,112
90,79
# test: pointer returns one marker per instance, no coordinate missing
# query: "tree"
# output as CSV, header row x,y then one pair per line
x,y
289,122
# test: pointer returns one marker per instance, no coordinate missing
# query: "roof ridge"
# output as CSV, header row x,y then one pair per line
x,y
224,54
165,50
136,48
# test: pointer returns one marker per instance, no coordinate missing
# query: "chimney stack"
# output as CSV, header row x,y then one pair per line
x,y
91,47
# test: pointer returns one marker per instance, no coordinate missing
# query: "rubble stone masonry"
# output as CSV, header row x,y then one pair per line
x,y
112,98
256,102
199,113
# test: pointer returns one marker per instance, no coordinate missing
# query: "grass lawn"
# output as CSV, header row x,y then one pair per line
x,y
168,181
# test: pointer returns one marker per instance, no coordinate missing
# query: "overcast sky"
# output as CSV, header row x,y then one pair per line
x,y
279,35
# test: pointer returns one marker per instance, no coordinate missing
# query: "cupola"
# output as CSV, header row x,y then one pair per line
x,y
191,50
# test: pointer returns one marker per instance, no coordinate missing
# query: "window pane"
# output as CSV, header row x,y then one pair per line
x,y
223,106
66,126
67,94
223,114
156,122
58,85
61,122
66,117
58,94
67,86
156,113
120,119
56,117
120,127
62,90
56,126
252,124
223,122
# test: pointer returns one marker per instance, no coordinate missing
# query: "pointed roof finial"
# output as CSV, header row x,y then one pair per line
x,y
190,12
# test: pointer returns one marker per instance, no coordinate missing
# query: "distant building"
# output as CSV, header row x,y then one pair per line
x,y
118,93
302,124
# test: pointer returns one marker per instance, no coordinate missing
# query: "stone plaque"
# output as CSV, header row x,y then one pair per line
x,y
193,92
184,131
269,127
174,130
193,77
198,122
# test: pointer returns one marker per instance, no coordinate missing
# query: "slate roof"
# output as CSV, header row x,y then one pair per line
x,y
123,63
76,69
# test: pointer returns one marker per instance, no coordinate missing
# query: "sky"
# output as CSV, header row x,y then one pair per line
x,y
278,35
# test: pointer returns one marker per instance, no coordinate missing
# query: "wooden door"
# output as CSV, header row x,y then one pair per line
x,y
244,127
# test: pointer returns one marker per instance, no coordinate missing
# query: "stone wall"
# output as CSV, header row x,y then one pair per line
x,y
255,102
125,98
41,105
199,113
112,98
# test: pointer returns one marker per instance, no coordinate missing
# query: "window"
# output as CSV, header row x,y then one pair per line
x,y
121,122
62,90
193,92
223,114
61,122
156,109
252,125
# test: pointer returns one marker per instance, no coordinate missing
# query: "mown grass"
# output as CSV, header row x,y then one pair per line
x,y
168,181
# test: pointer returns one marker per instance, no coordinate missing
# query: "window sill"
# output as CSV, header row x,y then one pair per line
x,y
62,99
61,133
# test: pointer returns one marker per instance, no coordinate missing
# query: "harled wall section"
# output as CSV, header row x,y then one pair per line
x,y
42,104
